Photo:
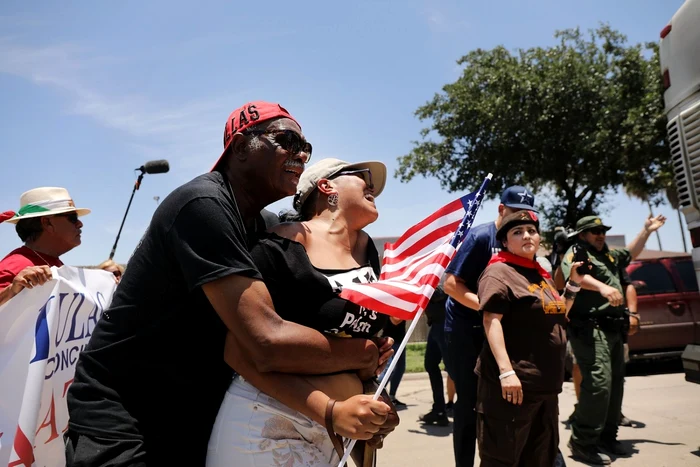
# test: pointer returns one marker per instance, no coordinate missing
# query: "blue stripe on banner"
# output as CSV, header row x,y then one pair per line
x,y
41,334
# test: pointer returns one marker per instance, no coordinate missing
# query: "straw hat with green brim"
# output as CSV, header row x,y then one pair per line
x,y
587,223
45,201
326,168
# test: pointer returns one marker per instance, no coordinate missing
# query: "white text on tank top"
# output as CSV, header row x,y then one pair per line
x,y
359,321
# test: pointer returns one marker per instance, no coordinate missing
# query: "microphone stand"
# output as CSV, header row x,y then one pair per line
x,y
137,185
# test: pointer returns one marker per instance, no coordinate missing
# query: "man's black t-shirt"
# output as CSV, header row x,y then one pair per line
x,y
154,367
307,295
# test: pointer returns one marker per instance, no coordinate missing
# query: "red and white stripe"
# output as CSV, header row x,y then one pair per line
x,y
412,266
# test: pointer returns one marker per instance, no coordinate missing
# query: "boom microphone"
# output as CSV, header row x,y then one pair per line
x,y
151,167
155,167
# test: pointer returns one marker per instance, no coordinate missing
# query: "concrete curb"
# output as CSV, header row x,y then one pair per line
x,y
419,376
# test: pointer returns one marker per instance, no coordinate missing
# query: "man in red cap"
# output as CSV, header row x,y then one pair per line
x,y
149,383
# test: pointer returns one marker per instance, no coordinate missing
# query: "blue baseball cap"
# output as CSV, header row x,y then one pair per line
x,y
518,197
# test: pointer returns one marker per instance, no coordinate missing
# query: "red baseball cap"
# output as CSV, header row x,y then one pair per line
x,y
249,115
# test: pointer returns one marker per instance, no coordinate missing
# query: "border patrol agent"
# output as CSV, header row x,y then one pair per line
x,y
597,324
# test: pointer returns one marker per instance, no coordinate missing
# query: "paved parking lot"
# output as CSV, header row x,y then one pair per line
x,y
665,408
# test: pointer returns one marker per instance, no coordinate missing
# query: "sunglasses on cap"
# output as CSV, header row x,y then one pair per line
x,y
597,231
289,140
72,217
364,174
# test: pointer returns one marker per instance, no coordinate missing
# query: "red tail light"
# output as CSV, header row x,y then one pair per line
x,y
665,31
667,79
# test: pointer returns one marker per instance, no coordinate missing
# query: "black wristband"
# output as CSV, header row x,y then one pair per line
x,y
569,295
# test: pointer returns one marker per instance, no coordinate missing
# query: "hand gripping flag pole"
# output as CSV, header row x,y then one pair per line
x,y
411,270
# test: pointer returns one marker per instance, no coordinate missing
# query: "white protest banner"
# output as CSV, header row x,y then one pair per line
x,y
42,332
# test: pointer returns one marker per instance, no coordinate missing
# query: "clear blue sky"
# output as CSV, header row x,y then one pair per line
x,y
91,90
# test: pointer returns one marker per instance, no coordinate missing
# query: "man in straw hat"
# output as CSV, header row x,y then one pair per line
x,y
151,380
48,223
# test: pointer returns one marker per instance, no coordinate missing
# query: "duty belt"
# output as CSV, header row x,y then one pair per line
x,y
605,317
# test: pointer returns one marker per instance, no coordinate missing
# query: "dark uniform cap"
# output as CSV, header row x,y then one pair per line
x,y
515,219
590,222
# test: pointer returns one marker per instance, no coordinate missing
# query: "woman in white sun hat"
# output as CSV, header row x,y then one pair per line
x,y
47,222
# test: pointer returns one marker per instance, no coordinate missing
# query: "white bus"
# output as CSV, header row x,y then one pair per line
x,y
680,65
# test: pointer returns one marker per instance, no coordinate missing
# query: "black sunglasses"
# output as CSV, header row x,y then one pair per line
x,y
72,217
597,231
289,140
364,174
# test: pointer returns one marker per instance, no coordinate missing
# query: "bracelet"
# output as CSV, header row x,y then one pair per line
x,y
572,282
569,295
506,374
573,288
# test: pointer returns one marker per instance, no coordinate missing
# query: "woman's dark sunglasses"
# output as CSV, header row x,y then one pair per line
x,y
289,140
365,174
72,217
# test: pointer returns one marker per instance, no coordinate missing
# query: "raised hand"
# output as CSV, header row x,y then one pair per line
x,y
652,224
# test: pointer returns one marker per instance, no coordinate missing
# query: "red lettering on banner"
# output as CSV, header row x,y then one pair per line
x,y
50,421
65,390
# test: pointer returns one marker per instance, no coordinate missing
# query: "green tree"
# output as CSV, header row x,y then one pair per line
x,y
577,120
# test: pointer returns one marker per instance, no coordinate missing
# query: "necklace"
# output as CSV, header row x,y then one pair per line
x,y
39,255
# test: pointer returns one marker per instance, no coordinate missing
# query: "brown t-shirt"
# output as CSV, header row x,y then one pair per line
x,y
533,320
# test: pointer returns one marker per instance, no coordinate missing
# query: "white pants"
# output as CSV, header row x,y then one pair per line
x,y
253,429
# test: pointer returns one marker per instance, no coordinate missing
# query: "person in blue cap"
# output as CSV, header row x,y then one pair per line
x,y
463,324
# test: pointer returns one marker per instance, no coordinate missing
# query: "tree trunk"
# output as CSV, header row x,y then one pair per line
x,y
672,196
680,224
658,237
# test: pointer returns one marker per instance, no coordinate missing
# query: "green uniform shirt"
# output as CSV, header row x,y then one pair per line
x,y
607,265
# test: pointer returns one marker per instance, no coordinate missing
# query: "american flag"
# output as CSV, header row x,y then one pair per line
x,y
413,266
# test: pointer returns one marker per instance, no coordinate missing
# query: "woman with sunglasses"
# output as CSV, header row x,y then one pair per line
x,y
521,366
304,264
110,266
